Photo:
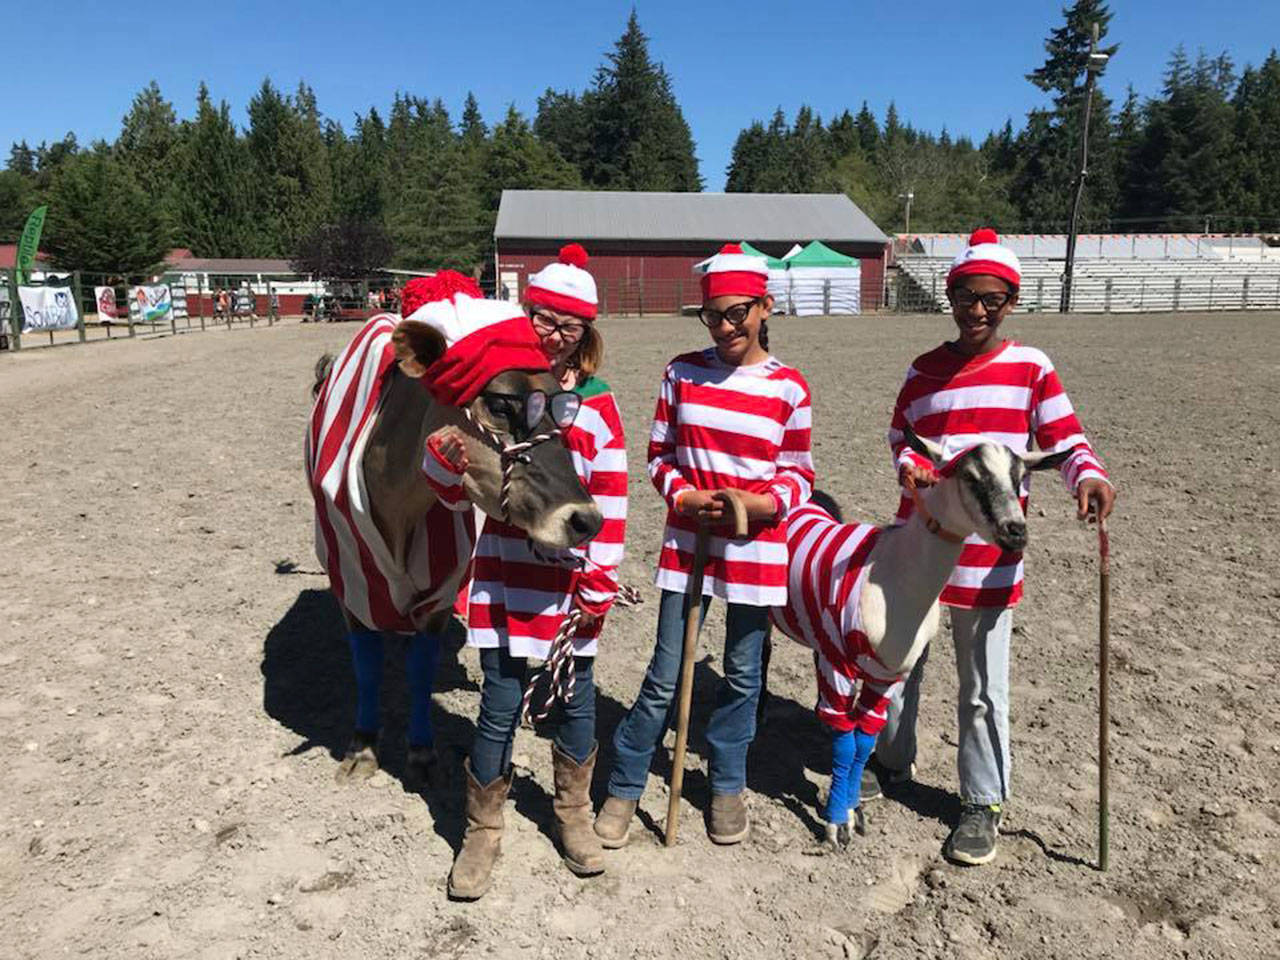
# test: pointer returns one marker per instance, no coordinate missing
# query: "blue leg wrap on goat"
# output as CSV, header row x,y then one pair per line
x,y
850,752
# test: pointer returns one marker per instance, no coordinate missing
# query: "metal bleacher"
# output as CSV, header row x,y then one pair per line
x,y
1113,273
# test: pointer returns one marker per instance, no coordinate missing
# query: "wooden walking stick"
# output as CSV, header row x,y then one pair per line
x,y
692,623
1104,693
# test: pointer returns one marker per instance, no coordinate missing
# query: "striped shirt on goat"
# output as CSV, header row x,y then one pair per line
x,y
828,572
519,596
742,428
1011,396
365,577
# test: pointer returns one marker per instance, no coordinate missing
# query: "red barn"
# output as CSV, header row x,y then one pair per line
x,y
643,245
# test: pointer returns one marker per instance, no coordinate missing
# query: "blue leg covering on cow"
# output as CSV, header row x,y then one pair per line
x,y
850,751
366,661
420,664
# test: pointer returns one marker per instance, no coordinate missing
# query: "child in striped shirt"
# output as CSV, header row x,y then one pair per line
x,y
519,596
730,417
980,385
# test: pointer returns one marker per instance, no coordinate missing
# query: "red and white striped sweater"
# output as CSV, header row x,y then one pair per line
x,y
364,576
518,598
723,427
827,574
1011,396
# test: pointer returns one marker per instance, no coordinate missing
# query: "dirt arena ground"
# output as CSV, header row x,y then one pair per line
x,y
174,685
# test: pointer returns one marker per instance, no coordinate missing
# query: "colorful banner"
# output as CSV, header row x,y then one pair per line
x,y
30,243
108,312
48,308
152,304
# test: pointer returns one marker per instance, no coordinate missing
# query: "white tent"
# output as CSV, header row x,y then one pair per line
x,y
821,282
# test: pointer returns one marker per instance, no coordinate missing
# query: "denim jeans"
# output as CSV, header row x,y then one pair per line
x,y
981,638
732,725
505,678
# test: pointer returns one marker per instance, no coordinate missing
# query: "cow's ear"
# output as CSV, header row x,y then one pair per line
x,y
418,345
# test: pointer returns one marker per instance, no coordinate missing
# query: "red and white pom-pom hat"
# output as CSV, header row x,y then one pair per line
x,y
565,286
482,337
986,256
733,273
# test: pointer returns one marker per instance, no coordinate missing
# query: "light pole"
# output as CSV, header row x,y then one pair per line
x,y
1094,66
908,196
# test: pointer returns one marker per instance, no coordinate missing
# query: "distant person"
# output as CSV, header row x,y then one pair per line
x,y
979,385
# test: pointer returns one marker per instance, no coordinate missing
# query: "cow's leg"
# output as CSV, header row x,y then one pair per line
x,y
423,655
360,762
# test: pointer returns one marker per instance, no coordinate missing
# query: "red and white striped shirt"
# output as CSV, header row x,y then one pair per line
x,y
827,573
362,572
518,598
1011,396
742,428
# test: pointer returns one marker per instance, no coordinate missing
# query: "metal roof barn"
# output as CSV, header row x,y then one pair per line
x,y
644,245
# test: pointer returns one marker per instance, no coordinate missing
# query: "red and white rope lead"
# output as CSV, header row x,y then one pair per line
x,y
559,667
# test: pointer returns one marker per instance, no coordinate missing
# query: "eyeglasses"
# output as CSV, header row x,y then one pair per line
x,y
736,314
571,331
993,302
523,412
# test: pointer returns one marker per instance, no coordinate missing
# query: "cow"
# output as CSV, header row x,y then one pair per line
x,y
395,556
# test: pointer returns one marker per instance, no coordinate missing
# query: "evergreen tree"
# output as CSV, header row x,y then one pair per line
x,y
17,200
22,159
214,208
639,138
147,142
472,128
868,129
101,220
517,160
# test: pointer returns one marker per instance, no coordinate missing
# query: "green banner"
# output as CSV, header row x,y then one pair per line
x,y
30,243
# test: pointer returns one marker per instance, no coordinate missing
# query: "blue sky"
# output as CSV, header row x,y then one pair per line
x,y
731,63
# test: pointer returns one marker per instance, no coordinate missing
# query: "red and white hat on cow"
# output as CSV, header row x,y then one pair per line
x,y
482,337
565,286
734,273
985,255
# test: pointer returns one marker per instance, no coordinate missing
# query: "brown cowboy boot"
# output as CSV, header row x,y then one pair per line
x,y
579,845
613,822
481,844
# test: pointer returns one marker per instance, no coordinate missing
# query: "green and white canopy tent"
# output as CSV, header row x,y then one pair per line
x,y
821,282
778,281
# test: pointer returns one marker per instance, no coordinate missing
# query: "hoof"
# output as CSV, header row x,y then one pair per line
x,y
360,761
424,766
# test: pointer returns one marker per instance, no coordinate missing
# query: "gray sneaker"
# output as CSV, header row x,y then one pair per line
x,y
973,841
877,779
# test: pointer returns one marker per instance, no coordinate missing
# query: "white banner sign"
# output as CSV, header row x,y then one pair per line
x,y
48,308
108,312
152,303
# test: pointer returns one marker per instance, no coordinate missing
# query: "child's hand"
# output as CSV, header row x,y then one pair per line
x,y
1093,492
923,476
759,506
450,446
703,505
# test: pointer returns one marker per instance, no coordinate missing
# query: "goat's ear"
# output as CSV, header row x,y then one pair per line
x,y
1044,461
418,345
926,448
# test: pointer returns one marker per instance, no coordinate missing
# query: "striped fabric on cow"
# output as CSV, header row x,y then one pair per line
x,y
827,573
1009,396
742,428
364,576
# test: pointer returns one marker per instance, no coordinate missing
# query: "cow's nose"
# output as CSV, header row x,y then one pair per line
x,y
585,524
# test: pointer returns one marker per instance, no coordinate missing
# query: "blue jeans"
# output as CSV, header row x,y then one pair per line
x,y
981,639
732,726
505,678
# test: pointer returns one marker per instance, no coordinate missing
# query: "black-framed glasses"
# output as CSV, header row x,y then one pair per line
x,y
993,302
571,331
736,314
523,412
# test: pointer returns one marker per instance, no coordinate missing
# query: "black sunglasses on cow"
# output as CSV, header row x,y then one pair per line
x,y
523,412
736,314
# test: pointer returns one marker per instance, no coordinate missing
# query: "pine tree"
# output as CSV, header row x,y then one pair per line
x,y
472,128
214,210
517,160
17,200
101,220
147,142
868,129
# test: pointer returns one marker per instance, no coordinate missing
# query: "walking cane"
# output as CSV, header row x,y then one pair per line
x,y
1104,692
693,620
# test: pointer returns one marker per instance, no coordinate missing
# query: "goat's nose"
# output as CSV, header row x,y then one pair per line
x,y
1014,531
